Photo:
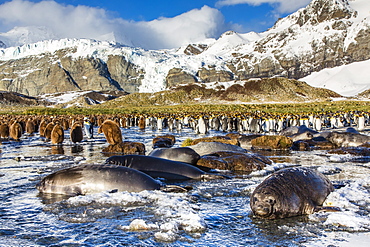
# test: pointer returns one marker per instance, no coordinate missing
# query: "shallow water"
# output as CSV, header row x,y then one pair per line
x,y
214,212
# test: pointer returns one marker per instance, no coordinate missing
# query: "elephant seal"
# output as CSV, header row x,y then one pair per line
x,y
203,148
87,179
294,130
158,167
245,140
347,139
302,136
290,192
182,154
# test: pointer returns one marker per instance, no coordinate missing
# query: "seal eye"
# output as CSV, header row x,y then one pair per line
x,y
270,201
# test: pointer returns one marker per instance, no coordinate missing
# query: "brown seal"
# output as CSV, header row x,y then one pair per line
x,y
347,139
290,192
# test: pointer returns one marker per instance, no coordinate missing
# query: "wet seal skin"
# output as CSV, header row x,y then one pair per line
x,y
163,168
347,139
291,192
182,154
88,179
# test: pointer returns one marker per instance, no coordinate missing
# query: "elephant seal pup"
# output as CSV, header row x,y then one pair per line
x,y
87,179
182,154
203,148
347,139
158,167
302,136
290,192
295,130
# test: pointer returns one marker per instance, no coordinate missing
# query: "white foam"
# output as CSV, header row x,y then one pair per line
x,y
351,199
171,212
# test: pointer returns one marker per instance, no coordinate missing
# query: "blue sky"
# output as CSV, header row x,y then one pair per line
x,y
248,17
166,23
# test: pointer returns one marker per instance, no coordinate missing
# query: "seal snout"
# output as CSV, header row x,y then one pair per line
x,y
114,160
262,210
263,207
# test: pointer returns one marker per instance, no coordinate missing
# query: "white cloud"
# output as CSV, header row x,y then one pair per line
x,y
67,21
192,26
282,6
64,20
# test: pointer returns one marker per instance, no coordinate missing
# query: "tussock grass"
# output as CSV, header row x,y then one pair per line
x,y
278,108
187,142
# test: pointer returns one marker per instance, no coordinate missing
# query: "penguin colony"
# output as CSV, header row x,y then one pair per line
x,y
79,126
52,128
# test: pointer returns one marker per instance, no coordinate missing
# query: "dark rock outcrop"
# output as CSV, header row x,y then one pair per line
x,y
272,142
233,161
177,76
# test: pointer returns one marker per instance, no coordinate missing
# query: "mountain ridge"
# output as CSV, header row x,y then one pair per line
x,y
325,34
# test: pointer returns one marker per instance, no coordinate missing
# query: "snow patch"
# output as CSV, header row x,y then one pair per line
x,y
59,98
354,203
347,80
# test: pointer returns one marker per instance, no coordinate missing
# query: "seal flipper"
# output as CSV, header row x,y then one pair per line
x,y
176,189
208,176
327,209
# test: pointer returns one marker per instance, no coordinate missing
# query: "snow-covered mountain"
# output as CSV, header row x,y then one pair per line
x,y
26,35
325,37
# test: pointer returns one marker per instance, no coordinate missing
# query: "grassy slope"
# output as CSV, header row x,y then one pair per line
x,y
278,108
194,98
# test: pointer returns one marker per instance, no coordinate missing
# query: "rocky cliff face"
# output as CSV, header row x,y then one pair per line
x,y
58,72
126,73
325,34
